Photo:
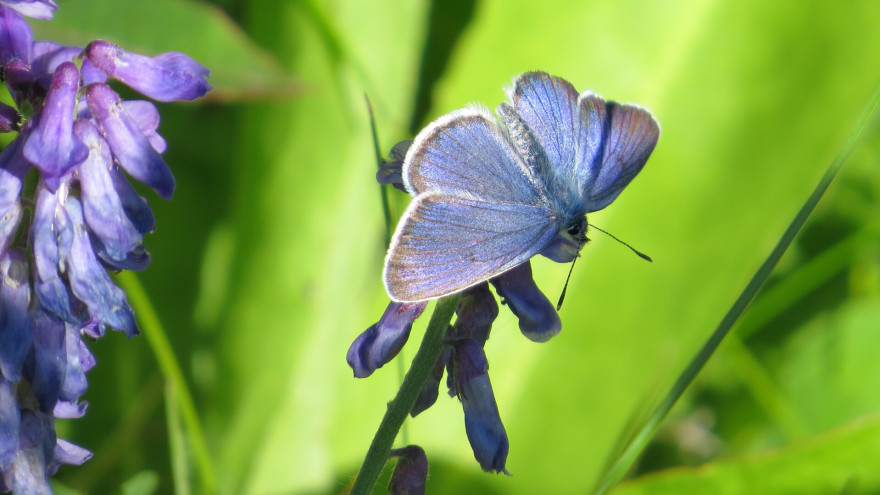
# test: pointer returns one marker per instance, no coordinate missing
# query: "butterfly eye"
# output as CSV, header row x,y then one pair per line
x,y
574,230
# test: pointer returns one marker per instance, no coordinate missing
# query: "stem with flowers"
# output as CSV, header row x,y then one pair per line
x,y
428,353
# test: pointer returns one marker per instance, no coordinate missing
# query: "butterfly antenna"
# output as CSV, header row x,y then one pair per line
x,y
565,287
641,254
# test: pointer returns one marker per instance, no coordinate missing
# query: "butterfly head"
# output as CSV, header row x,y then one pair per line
x,y
569,239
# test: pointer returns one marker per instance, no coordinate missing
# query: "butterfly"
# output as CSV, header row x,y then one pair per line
x,y
488,197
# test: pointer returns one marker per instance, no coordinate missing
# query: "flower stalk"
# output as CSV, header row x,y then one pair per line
x,y
413,382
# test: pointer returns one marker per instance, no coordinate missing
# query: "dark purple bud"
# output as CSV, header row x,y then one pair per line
x,y
10,419
379,344
101,203
482,422
49,286
10,119
88,279
476,312
131,148
16,329
538,319
391,171
15,36
411,472
38,9
165,77
51,145
428,396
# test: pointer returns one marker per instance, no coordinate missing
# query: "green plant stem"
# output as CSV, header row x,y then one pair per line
x,y
429,351
632,450
155,334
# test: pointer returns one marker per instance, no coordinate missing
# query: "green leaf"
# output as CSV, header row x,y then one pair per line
x,y
841,460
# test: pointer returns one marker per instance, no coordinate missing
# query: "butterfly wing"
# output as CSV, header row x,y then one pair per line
x,y
445,244
594,146
629,134
478,211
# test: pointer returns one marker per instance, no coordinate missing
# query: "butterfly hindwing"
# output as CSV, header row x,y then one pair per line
x,y
629,136
593,146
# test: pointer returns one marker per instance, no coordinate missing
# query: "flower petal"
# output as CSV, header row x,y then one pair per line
x,y
166,77
146,118
381,342
13,168
101,204
130,147
36,445
49,286
391,170
88,279
67,453
15,36
482,423
75,383
10,420
70,410
428,396
16,330
51,145
411,471
49,359
538,319
476,311
38,9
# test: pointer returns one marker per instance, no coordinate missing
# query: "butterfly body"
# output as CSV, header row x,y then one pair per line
x,y
488,197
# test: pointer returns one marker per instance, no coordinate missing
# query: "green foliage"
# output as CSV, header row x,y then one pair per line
x,y
267,262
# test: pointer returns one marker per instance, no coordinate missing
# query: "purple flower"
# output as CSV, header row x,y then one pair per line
x,y
39,9
391,171
538,319
382,341
79,139
411,472
165,77
482,423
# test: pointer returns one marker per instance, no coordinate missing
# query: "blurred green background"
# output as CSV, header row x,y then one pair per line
x,y
267,262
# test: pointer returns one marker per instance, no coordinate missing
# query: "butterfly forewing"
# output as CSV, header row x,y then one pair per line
x,y
465,154
445,244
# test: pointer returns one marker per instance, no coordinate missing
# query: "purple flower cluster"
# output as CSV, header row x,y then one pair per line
x,y
65,176
464,359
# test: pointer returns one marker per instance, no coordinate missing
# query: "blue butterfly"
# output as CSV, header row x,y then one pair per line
x,y
487,198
